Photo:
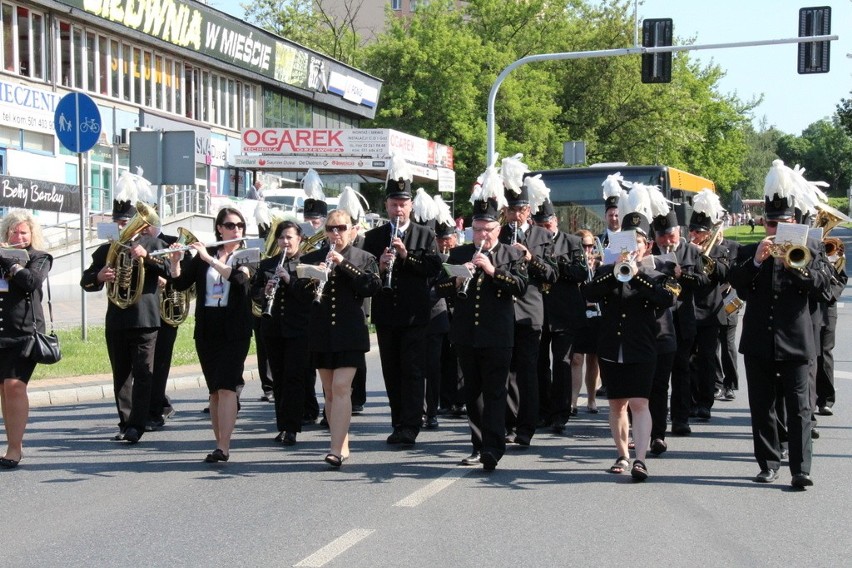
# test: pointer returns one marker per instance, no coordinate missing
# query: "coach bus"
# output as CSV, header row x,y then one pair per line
x,y
577,193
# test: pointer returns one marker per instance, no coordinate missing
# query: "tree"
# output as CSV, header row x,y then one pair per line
x,y
761,144
825,150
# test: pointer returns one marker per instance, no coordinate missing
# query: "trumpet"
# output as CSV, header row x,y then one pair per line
x,y
625,269
462,293
328,268
793,256
161,252
276,280
387,287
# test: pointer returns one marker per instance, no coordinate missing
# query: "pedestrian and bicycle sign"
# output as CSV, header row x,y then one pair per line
x,y
77,121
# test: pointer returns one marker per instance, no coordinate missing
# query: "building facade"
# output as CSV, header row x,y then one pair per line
x,y
170,65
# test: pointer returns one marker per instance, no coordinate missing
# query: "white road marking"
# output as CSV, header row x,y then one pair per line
x,y
433,488
335,548
842,375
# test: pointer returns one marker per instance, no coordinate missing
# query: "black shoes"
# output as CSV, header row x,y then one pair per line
x,y
289,439
702,413
814,433
154,424
523,440
407,437
267,397
719,394
681,429
825,411
558,427
357,408
801,480
216,455
132,435
639,472
430,422
766,476
395,437
489,461
658,446
472,459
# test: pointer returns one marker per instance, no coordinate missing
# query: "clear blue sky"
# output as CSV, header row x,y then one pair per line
x,y
791,101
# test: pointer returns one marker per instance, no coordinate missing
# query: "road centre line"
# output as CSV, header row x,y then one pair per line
x,y
433,488
842,375
335,548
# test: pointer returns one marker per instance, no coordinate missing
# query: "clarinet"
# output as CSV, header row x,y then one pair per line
x,y
328,269
270,298
514,233
387,287
462,293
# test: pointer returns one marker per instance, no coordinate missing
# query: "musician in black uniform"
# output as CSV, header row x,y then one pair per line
x,y
223,321
451,391
284,327
778,341
825,392
408,261
667,239
564,314
627,344
534,242
337,330
728,380
22,314
483,327
437,335
131,332
315,212
611,218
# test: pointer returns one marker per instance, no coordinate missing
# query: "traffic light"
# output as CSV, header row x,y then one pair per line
x,y
657,67
814,56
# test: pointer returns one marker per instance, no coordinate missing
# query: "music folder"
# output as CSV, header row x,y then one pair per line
x,y
311,271
458,270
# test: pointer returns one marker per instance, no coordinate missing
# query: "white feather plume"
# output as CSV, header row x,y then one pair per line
x,y
659,204
399,169
490,187
513,169
707,202
444,216
538,191
133,187
638,201
261,214
779,181
351,202
312,184
423,206
809,192
613,186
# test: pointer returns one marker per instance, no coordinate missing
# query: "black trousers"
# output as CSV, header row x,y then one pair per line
x,y
131,356
768,382
825,393
681,400
485,372
311,404
434,346
290,363
729,378
359,386
263,370
522,409
163,350
402,351
452,378
658,402
703,366
554,387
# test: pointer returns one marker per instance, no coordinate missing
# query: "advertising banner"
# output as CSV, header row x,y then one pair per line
x,y
27,193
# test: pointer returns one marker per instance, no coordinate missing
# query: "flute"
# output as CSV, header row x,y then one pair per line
x,y
462,293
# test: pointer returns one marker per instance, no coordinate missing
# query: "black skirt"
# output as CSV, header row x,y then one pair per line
x,y
586,340
13,366
627,380
337,359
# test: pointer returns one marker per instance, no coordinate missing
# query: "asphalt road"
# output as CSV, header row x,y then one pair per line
x,y
79,499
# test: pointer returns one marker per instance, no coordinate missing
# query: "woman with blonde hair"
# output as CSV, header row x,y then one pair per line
x,y
21,278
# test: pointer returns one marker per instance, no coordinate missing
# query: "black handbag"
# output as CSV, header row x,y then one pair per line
x,y
43,347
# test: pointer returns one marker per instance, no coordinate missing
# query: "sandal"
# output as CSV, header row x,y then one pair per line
x,y
334,460
620,465
639,471
217,455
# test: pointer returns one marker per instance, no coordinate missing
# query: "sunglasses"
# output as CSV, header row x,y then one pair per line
x,y
591,246
231,226
335,228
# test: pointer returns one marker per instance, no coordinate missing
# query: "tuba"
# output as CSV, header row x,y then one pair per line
x,y
125,291
174,303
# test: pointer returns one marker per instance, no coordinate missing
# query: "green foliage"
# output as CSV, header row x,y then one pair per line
x,y
825,150
761,144
81,358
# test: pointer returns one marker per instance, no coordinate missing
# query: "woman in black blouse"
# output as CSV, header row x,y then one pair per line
x,y
20,315
337,331
627,350
223,323
284,329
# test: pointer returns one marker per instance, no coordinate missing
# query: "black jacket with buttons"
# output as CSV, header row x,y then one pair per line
x,y
337,322
22,301
691,278
709,305
629,310
564,305
777,323
529,306
486,317
290,311
408,303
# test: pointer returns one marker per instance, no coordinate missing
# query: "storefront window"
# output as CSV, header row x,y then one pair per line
x,y
91,49
103,66
116,67
65,51
78,48
8,38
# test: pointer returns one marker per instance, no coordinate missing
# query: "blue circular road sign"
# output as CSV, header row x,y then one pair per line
x,y
77,121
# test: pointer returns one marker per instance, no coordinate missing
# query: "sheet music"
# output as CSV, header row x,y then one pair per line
x,y
311,271
19,255
108,231
792,233
250,257
458,270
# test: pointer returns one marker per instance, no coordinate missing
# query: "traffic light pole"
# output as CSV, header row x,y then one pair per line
x,y
638,50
